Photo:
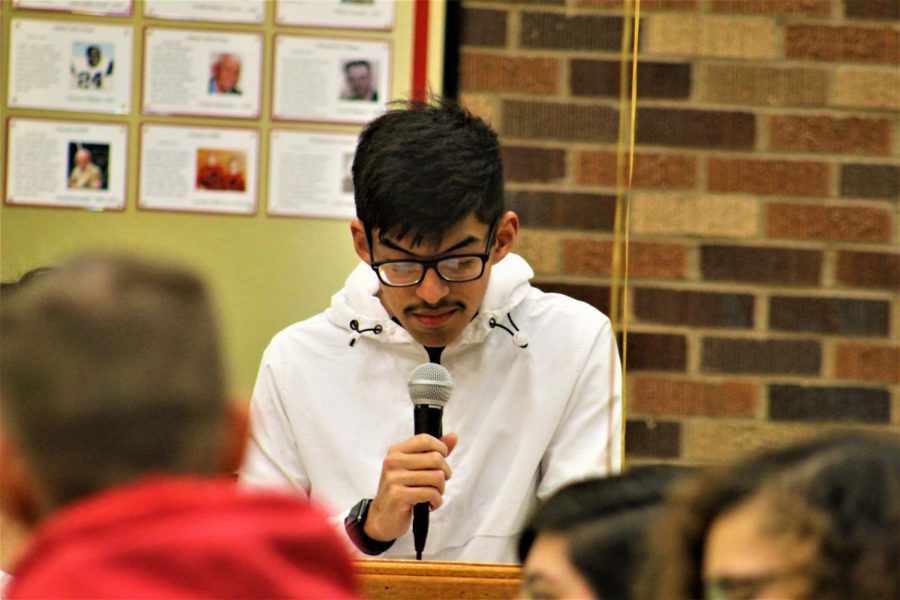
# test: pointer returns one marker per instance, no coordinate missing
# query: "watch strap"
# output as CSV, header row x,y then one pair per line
x,y
355,523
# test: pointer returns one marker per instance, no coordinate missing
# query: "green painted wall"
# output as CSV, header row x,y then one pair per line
x,y
265,273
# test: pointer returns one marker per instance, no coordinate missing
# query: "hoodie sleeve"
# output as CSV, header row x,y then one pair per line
x,y
588,439
272,459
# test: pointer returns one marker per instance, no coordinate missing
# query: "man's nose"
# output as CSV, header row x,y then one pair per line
x,y
432,288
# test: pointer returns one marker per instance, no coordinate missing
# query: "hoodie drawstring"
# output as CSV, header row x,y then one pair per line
x,y
519,337
354,326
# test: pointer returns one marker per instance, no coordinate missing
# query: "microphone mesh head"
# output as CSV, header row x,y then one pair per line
x,y
430,383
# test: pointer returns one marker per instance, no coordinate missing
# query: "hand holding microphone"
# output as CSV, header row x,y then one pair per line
x,y
415,471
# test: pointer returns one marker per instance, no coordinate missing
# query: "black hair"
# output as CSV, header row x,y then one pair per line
x,y
357,63
422,167
608,553
593,499
848,483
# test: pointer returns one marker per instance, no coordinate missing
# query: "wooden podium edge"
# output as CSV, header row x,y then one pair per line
x,y
407,579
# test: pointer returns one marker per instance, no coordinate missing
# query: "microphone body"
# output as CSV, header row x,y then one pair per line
x,y
430,386
427,420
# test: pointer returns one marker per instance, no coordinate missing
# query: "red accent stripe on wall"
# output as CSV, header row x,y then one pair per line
x,y
420,51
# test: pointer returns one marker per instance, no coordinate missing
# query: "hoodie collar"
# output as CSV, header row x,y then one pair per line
x,y
358,310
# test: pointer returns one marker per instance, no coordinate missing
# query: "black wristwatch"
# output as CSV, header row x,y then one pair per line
x,y
354,524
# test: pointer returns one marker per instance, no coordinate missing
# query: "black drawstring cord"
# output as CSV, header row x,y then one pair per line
x,y
519,337
354,326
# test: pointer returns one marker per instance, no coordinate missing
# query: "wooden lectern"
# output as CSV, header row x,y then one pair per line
x,y
409,579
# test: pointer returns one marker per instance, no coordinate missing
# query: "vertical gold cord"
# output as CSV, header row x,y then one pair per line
x,y
622,226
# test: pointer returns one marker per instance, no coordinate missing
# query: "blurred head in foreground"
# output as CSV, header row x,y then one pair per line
x,y
117,446
816,520
586,540
110,369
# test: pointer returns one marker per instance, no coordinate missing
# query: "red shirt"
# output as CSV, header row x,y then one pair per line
x,y
185,538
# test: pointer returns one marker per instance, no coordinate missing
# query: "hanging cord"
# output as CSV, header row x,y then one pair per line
x,y
619,307
519,337
354,326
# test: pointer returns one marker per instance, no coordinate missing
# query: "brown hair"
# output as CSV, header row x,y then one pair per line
x,y
110,369
841,492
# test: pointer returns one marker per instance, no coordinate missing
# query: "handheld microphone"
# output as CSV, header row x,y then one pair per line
x,y
430,386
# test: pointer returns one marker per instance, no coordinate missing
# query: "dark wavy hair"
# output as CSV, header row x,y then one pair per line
x,y
604,521
424,166
841,493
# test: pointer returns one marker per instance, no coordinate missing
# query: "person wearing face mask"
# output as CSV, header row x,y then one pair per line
x,y
536,402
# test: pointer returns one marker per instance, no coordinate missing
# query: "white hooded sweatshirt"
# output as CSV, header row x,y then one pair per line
x,y
536,403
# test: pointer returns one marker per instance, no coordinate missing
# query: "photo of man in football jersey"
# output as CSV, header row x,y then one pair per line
x,y
91,68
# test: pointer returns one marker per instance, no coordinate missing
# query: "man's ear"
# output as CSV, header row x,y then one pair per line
x,y
360,241
236,435
507,231
18,490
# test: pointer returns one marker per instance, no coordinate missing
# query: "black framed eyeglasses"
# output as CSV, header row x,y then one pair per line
x,y
456,268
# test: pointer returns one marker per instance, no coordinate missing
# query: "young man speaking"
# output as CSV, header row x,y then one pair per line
x,y
536,401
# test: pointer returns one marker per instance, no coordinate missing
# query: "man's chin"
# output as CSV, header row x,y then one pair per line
x,y
432,337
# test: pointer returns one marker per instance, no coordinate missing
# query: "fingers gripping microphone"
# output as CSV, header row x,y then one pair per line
x,y
430,386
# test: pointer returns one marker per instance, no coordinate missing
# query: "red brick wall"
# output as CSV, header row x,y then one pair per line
x,y
764,297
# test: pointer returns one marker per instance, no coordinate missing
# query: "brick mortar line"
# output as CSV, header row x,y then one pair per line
x,y
829,268
834,181
895,133
529,98
555,185
694,352
763,379
760,418
831,158
782,20
817,293
743,334
762,139
761,304
763,243
514,31
778,63
775,244
700,61
728,287
687,104
761,404
692,269
835,19
700,104
706,287
829,352
565,79
837,290
894,322
703,9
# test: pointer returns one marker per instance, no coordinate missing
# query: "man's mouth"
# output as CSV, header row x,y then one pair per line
x,y
434,317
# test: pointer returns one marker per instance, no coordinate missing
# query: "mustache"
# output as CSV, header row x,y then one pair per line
x,y
425,306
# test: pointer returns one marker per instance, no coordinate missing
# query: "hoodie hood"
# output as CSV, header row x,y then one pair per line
x,y
357,308
174,537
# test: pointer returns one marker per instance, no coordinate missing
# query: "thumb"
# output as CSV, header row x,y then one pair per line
x,y
450,440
